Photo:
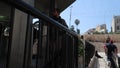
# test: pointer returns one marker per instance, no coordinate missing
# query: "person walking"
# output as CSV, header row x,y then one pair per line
x,y
110,49
114,53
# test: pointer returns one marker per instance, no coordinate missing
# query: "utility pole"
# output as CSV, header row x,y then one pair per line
x,y
70,16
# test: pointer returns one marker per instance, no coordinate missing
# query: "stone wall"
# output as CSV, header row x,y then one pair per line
x,y
99,46
102,37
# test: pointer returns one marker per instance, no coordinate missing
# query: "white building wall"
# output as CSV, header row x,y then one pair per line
x,y
116,24
113,25
101,28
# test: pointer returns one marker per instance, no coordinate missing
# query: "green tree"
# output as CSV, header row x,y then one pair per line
x,y
77,22
72,28
80,48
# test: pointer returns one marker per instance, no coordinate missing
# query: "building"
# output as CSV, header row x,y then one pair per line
x,y
90,31
101,28
116,24
98,29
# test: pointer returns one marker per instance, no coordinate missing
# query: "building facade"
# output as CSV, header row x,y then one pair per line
x,y
116,24
90,31
101,28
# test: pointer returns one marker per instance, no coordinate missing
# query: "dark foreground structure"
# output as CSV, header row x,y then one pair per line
x,y
30,38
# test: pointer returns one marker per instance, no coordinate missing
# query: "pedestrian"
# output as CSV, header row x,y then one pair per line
x,y
115,52
55,35
56,16
110,49
53,31
106,44
114,47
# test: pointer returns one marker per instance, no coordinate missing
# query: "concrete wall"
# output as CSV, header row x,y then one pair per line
x,y
102,37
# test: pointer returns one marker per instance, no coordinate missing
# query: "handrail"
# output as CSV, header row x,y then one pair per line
x,y
89,52
31,10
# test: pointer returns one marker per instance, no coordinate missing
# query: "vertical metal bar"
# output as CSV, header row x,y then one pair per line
x,y
64,50
57,63
76,52
18,39
47,47
10,36
53,47
39,47
70,53
67,47
28,44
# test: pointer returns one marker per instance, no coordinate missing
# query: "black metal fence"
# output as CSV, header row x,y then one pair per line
x,y
54,45
55,49
89,52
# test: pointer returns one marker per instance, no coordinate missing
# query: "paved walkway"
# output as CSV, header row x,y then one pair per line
x,y
102,62
98,62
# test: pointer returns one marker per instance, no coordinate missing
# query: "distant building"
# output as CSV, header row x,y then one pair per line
x,y
101,28
116,24
90,31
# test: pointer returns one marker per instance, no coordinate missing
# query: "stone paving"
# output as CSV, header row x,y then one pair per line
x,y
102,62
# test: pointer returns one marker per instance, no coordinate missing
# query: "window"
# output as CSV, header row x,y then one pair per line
x,y
118,28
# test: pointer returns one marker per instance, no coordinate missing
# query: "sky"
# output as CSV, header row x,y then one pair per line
x,y
91,13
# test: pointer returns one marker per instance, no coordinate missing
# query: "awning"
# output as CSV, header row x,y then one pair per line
x,y
61,4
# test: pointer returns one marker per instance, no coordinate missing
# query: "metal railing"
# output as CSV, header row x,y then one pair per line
x,y
56,45
89,52
58,50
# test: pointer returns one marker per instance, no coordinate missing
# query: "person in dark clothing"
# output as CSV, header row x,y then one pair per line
x,y
114,47
56,37
106,44
56,16
110,49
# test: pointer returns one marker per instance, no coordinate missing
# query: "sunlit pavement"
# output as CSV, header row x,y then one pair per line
x,y
102,62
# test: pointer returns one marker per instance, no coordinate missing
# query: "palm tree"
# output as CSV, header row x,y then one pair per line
x,y
77,22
